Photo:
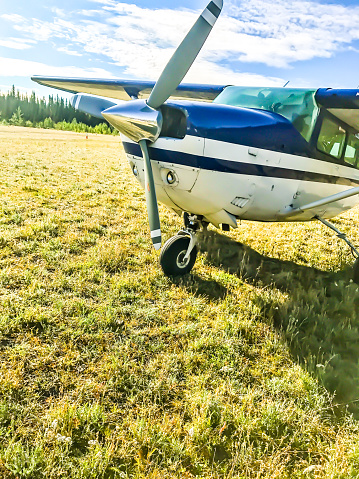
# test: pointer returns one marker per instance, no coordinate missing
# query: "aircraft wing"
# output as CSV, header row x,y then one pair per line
x,y
344,104
128,89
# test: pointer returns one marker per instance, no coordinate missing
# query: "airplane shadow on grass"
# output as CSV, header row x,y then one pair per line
x,y
319,320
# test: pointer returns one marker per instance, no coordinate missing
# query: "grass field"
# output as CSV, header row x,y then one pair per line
x,y
246,368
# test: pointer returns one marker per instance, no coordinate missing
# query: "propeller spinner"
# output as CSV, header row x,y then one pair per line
x,y
141,120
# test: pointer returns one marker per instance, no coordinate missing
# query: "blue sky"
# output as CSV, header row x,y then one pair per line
x,y
255,42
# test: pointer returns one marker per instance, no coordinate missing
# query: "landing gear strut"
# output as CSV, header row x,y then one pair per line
x,y
179,253
353,249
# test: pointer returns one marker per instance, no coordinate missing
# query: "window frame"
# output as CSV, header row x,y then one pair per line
x,y
323,115
356,157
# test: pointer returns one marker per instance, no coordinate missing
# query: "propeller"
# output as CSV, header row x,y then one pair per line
x,y
185,55
141,121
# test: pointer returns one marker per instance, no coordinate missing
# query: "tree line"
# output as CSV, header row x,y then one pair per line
x,y
31,111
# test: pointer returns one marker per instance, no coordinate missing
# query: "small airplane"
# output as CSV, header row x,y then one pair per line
x,y
217,154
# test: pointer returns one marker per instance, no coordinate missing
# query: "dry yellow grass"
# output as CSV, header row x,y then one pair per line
x,y
108,369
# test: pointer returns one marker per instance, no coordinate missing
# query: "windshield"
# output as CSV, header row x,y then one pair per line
x,y
296,104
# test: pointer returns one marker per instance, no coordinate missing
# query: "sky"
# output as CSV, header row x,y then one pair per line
x,y
254,42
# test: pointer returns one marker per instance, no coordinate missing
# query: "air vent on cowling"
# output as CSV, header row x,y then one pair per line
x,y
239,201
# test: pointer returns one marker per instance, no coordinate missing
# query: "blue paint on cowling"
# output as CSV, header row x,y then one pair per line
x,y
243,126
227,166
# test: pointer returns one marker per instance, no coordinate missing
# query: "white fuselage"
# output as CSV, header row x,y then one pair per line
x,y
222,197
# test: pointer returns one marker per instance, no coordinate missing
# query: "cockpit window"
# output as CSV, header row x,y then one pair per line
x,y
296,104
352,150
331,138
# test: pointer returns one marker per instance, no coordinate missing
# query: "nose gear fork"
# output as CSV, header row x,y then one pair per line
x,y
192,224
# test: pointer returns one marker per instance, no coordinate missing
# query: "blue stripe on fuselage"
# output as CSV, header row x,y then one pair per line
x,y
227,166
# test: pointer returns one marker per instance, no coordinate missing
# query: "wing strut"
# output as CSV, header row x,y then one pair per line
x,y
290,211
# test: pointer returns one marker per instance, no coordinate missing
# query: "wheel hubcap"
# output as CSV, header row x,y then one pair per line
x,y
180,261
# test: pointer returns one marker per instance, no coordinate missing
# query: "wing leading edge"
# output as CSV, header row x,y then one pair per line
x,y
128,89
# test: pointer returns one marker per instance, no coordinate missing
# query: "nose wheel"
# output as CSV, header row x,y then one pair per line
x,y
177,258
179,253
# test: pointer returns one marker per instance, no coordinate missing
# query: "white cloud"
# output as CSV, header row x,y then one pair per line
x,y
14,18
204,71
16,43
26,68
141,40
69,52
91,13
274,33
104,2
59,12
282,32
43,31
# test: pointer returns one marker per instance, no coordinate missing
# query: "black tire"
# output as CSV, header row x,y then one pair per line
x,y
173,252
356,271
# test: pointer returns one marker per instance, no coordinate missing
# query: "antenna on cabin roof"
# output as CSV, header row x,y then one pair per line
x,y
286,84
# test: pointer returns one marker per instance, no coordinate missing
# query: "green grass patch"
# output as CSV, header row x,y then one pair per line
x,y
246,368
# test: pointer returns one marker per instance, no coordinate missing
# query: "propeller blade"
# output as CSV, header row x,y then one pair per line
x,y
185,55
151,199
